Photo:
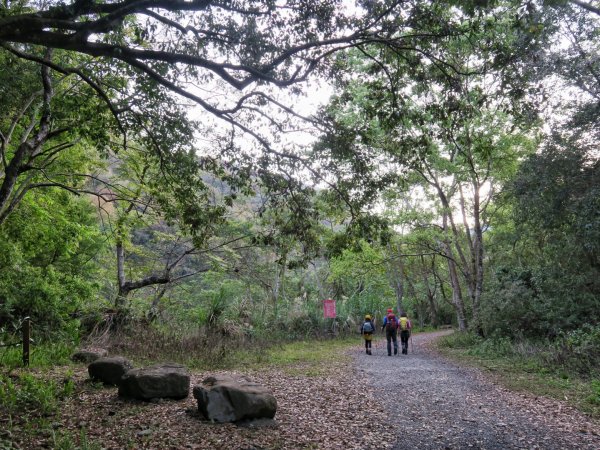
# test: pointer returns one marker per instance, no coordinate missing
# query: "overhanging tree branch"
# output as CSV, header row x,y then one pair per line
x,y
586,6
71,70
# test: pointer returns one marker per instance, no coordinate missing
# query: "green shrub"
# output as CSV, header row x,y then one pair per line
x,y
463,340
577,350
494,347
594,399
477,346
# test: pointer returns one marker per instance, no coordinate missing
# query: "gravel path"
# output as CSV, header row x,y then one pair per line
x,y
435,404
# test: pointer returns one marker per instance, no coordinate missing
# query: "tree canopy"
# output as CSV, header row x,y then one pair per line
x,y
446,174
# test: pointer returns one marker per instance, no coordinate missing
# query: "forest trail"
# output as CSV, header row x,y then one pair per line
x,y
434,404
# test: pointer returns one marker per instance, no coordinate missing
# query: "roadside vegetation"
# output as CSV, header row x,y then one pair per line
x,y
566,368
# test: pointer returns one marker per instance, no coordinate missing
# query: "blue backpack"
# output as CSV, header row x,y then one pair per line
x,y
368,327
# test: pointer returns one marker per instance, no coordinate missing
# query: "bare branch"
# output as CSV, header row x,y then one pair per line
x,y
191,274
586,6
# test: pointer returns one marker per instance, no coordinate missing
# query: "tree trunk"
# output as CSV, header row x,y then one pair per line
x,y
125,287
478,252
27,148
457,300
24,151
433,313
469,269
474,276
153,313
122,293
279,278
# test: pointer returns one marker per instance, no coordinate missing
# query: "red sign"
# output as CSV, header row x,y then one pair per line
x,y
329,308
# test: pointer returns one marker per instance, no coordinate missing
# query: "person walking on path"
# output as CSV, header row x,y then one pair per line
x,y
367,330
390,325
405,329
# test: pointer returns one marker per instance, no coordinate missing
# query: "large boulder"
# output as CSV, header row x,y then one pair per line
x,y
223,399
160,381
89,355
109,370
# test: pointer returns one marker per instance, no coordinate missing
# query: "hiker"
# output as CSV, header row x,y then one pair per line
x,y
390,325
405,327
367,330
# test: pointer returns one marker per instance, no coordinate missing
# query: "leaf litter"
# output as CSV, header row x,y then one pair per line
x,y
406,402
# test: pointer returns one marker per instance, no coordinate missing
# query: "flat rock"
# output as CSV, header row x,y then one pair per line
x,y
109,370
89,355
159,381
223,399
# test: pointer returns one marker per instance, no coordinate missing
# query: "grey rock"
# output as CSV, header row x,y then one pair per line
x,y
144,432
88,355
223,399
109,370
159,381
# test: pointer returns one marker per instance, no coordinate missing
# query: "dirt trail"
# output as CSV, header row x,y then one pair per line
x,y
435,404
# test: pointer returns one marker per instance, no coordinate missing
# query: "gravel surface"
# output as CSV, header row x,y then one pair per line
x,y
434,404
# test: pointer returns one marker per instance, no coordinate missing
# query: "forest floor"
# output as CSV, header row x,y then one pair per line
x,y
414,401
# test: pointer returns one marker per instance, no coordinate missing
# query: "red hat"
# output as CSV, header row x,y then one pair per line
x,y
390,310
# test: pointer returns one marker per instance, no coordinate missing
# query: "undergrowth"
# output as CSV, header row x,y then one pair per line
x,y
566,368
28,403
66,440
224,347
41,355
27,394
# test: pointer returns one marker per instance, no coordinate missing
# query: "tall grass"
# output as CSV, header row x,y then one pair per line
x,y
218,345
41,355
214,341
